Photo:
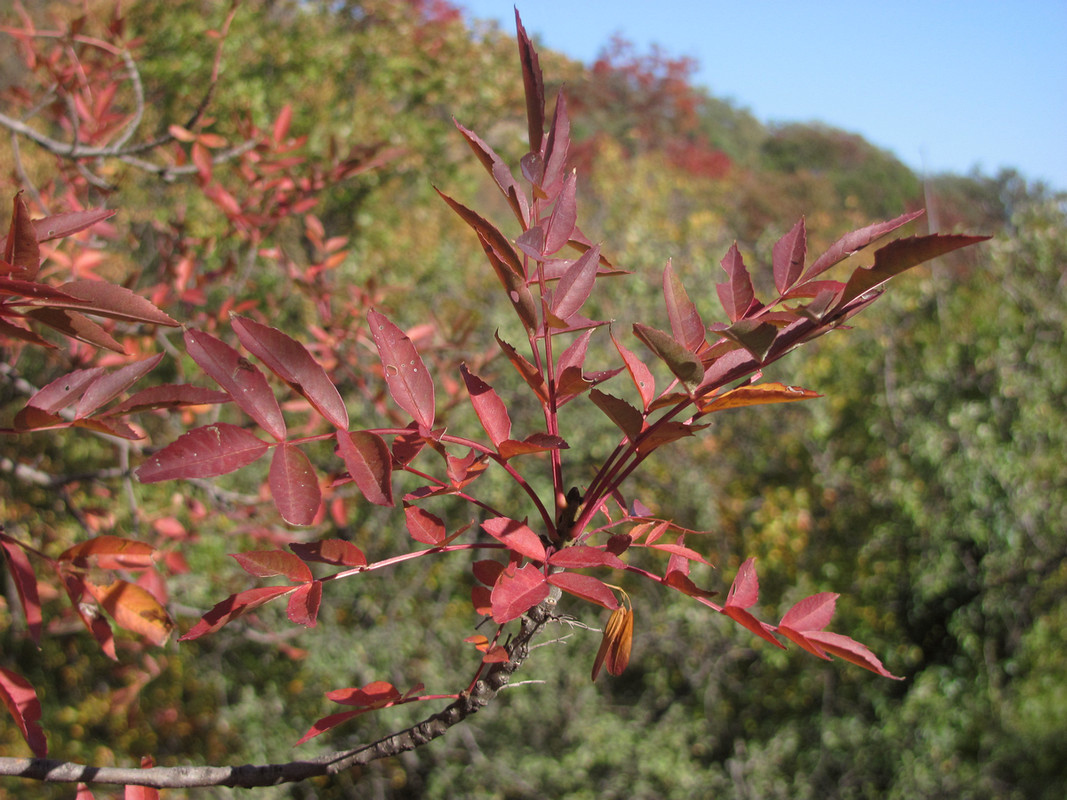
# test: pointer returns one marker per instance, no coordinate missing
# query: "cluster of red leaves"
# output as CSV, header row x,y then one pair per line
x,y
548,272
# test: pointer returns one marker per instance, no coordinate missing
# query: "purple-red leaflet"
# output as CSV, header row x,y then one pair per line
x,y
491,411
20,245
369,464
303,608
856,240
169,396
109,386
586,587
294,486
628,418
238,376
487,571
203,453
25,583
736,294
233,607
60,225
291,361
564,216
576,284
517,536
686,324
424,527
533,83
21,701
268,563
682,362
516,592
64,390
406,377
580,556
330,551
787,257
639,373
850,650
115,302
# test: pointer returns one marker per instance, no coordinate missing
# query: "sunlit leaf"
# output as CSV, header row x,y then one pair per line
x,y
424,527
238,376
736,294
586,587
406,376
757,394
330,551
291,361
488,406
686,325
855,241
134,609
517,536
203,453
369,464
516,592
294,485
576,284
788,257
234,606
110,552
268,563
303,608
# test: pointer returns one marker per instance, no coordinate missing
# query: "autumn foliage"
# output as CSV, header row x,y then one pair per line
x,y
278,397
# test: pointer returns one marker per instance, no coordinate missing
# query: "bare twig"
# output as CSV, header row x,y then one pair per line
x,y
250,775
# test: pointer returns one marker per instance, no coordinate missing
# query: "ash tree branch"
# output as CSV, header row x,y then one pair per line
x,y
254,775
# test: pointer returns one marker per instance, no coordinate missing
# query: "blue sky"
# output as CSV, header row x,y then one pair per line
x,y
946,86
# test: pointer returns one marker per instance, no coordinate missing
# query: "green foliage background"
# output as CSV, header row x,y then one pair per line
x,y
927,486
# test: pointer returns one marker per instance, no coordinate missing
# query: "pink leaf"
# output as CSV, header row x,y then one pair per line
x,y
487,571
291,361
268,563
582,556
576,284
238,376
517,536
850,650
21,701
424,527
330,551
369,464
761,629
304,604
586,587
516,592
232,607
294,486
203,453
745,589
409,383
488,406
737,295
810,614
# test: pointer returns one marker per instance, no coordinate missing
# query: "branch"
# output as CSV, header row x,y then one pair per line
x,y
253,775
